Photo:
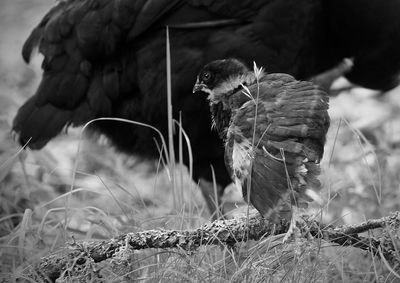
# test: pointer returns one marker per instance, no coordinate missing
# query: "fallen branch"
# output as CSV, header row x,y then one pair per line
x,y
222,232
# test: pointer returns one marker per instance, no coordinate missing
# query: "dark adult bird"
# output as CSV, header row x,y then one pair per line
x,y
106,58
273,128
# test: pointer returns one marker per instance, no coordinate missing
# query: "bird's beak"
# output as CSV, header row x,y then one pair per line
x,y
199,87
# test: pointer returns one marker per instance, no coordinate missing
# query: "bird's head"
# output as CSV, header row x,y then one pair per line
x,y
221,78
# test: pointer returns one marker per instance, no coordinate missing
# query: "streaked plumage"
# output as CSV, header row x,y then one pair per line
x,y
275,136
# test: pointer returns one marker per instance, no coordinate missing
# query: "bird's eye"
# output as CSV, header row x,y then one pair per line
x,y
206,76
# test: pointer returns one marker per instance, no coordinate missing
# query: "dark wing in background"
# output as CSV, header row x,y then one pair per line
x,y
83,71
291,124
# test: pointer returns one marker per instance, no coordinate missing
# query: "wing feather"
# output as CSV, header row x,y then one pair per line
x,y
85,66
290,122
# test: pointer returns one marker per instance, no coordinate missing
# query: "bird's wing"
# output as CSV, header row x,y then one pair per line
x,y
86,66
98,27
100,53
77,36
277,146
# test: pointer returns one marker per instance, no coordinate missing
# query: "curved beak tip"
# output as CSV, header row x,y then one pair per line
x,y
198,87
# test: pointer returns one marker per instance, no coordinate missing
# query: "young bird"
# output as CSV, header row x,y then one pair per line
x,y
274,130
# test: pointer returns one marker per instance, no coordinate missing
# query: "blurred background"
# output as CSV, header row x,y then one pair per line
x,y
115,194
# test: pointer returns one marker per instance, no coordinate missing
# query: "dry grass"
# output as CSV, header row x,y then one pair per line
x,y
58,196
